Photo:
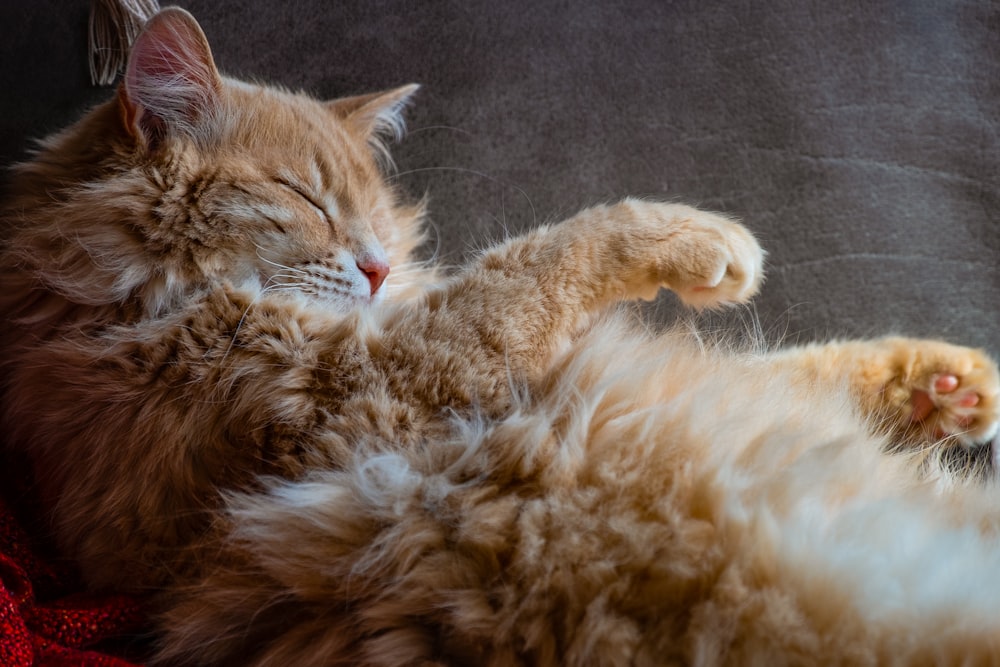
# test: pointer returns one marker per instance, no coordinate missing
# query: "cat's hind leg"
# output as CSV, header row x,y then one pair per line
x,y
926,391
943,391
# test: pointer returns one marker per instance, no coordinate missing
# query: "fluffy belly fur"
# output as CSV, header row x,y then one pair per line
x,y
676,505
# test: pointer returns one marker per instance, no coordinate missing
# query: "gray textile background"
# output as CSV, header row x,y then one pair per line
x,y
860,139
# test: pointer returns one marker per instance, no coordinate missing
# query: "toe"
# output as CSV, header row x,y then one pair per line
x,y
969,400
921,404
945,384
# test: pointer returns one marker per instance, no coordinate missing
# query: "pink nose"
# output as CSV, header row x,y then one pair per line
x,y
375,270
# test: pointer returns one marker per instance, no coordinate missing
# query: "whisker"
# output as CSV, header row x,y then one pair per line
x,y
243,317
239,325
464,170
276,264
273,279
429,128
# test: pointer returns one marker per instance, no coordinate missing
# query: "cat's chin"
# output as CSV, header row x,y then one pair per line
x,y
347,303
329,301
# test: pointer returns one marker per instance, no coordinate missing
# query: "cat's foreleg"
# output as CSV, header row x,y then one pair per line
x,y
630,250
924,390
506,314
535,289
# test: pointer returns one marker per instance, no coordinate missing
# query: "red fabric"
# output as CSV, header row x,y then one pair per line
x,y
46,619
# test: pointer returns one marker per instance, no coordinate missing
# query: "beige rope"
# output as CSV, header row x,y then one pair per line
x,y
114,25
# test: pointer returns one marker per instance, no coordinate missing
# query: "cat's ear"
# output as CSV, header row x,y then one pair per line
x,y
376,113
171,83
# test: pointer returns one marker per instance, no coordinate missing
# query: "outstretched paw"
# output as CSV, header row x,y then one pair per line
x,y
955,398
710,259
730,273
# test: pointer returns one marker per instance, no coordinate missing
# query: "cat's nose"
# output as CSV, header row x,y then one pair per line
x,y
375,270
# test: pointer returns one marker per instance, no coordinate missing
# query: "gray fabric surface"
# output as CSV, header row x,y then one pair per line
x,y
859,139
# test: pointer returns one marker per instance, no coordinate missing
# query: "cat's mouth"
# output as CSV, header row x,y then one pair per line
x,y
346,301
345,285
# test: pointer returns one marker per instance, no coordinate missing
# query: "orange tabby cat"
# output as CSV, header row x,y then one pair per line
x,y
239,392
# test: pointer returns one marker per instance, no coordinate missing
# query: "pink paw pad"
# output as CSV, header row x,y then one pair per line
x,y
943,395
969,401
945,384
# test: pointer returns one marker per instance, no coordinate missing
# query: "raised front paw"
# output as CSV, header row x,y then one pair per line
x,y
947,392
707,259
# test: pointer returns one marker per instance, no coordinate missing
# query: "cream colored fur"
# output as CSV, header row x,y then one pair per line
x,y
303,466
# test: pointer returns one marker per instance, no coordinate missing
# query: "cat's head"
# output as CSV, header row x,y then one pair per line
x,y
189,178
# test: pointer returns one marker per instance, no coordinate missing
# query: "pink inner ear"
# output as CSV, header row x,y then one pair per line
x,y
171,78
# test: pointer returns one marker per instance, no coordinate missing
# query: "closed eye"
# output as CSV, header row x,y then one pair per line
x,y
320,211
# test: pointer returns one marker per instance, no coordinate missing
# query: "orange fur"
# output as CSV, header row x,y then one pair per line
x,y
489,468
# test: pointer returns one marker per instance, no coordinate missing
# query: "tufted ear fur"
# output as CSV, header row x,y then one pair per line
x,y
376,113
376,116
171,82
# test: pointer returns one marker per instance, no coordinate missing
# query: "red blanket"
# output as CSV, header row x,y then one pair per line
x,y
46,619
